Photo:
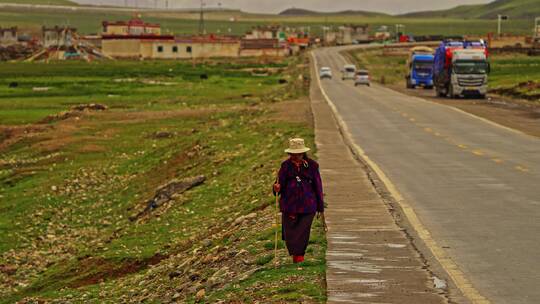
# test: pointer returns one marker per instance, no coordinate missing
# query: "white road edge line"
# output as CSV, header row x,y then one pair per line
x,y
457,276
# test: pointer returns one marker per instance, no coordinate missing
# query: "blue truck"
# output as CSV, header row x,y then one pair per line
x,y
420,68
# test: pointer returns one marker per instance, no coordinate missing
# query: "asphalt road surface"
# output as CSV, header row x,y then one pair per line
x,y
474,185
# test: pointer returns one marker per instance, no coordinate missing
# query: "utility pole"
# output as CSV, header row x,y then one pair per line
x,y
500,18
202,30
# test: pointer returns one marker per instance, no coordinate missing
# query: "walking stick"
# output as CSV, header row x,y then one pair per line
x,y
276,216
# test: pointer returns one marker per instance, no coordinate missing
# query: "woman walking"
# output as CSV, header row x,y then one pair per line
x,y
299,183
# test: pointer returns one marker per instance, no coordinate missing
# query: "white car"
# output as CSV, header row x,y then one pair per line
x,y
325,72
348,72
362,78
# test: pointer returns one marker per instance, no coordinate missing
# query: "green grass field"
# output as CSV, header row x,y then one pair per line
x,y
507,70
69,187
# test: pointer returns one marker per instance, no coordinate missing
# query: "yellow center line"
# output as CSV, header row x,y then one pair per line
x,y
478,153
521,168
428,130
412,119
498,161
462,146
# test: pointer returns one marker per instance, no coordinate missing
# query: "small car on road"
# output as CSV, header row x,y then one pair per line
x,y
348,72
325,72
362,78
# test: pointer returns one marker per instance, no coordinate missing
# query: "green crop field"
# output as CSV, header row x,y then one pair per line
x,y
70,185
508,71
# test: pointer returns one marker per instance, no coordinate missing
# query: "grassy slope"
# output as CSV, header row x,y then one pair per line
x,y
66,192
89,22
515,9
51,2
506,70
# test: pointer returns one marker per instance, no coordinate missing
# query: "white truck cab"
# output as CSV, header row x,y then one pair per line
x,y
470,69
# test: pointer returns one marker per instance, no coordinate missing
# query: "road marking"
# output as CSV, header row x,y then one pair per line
x,y
429,130
463,112
478,153
521,168
497,160
437,134
440,254
412,119
404,114
462,146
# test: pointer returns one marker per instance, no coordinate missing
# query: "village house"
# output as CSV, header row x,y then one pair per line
x,y
136,39
135,26
8,36
265,32
57,36
349,34
192,47
263,47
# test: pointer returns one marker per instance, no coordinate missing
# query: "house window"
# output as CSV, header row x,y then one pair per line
x,y
160,49
175,49
188,49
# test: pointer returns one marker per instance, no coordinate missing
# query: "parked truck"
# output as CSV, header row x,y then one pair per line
x,y
420,68
461,68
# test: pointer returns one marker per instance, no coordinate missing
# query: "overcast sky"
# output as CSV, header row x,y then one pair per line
x,y
275,6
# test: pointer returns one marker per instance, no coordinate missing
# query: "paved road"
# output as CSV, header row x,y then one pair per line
x,y
474,186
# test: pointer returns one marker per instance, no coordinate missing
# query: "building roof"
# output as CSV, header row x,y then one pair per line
x,y
58,29
208,39
9,29
134,22
138,37
255,44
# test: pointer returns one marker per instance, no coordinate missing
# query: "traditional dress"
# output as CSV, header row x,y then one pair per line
x,y
301,198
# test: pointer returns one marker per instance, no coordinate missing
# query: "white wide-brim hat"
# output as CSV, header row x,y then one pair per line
x,y
297,146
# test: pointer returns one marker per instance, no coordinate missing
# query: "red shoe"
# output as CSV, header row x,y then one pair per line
x,y
298,258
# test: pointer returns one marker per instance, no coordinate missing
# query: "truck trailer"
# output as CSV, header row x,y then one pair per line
x,y
420,68
461,68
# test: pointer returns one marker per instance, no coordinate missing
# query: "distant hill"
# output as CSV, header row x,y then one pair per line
x,y
51,2
305,12
518,9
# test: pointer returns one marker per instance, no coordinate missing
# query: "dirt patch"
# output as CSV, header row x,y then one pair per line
x,y
293,111
138,117
12,134
522,90
91,148
96,270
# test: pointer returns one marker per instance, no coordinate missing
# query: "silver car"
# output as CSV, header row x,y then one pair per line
x,y
362,78
325,72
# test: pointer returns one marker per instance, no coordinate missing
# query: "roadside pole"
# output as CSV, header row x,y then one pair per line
x,y
500,18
